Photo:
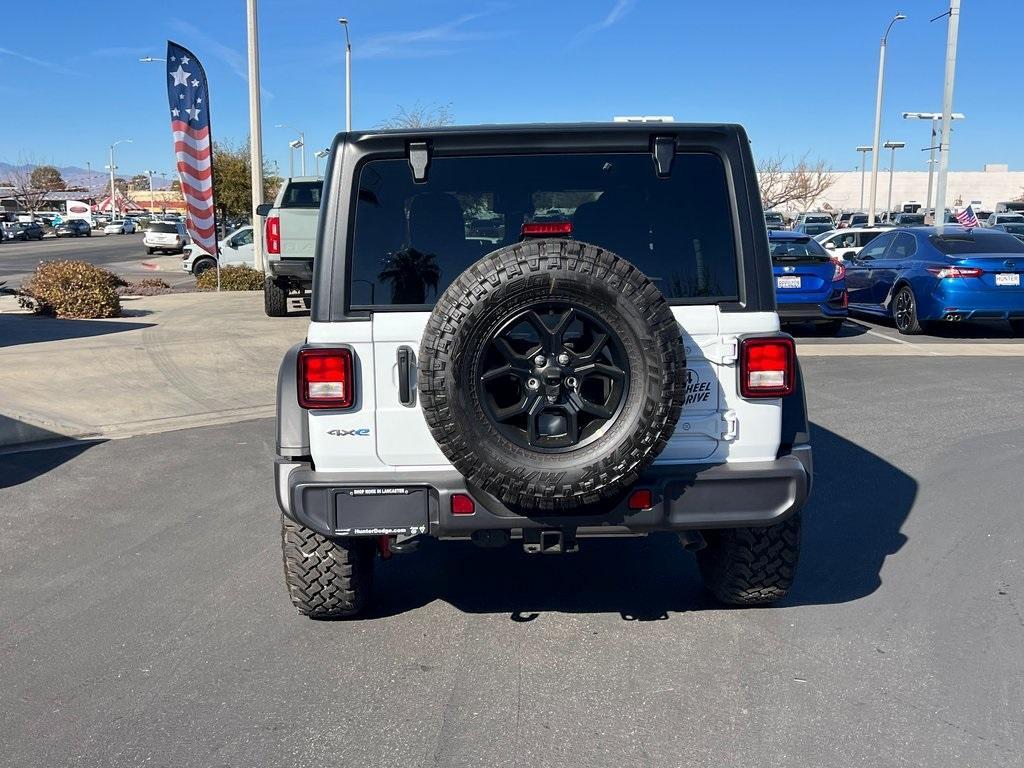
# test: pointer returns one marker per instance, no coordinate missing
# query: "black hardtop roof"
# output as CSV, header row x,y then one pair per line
x,y
541,136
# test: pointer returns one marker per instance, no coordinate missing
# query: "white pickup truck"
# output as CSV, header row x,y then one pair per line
x,y
289,237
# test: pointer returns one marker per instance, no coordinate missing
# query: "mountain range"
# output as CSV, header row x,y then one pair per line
x,y
76,177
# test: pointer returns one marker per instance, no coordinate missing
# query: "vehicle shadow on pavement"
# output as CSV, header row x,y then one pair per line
x,y
809,331
858,505
30,329
28,464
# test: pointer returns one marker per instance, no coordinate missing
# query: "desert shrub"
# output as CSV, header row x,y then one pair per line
x,y
71,289
233,278
150,286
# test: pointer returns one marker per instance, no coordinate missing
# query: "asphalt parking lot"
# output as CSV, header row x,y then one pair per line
x,y
122,254
144,619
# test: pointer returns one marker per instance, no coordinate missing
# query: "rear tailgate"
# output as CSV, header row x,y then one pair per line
x,y
298,232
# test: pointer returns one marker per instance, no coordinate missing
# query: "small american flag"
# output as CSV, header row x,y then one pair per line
x,y
188,96
968,218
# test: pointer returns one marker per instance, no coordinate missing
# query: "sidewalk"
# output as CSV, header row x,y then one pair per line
x,y
174,361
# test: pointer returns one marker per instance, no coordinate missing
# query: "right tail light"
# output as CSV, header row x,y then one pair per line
x,y
767,366
273,230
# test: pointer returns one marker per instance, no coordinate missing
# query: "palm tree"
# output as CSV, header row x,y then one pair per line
x,y
410,273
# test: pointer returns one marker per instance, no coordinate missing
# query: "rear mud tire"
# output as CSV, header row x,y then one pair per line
x,y
275,297
468,316
751,566
326,578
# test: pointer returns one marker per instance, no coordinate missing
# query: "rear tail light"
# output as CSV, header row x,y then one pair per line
x,y
846,299
543,228
273,230
325,378
840,271
767,366
944,272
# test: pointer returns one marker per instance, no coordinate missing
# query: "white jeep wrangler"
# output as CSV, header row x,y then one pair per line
x,y
542,334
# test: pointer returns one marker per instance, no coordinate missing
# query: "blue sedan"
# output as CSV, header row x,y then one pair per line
x,y
809,283
924,275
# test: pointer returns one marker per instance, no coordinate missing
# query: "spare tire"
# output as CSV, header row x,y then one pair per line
x,y
551,373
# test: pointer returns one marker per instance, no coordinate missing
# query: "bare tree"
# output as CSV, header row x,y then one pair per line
x,y
421,116
26,192
799,185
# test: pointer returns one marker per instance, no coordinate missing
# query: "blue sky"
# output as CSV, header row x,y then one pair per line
x,y
800,75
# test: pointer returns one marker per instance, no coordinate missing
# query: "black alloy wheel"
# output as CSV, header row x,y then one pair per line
x,y
552,377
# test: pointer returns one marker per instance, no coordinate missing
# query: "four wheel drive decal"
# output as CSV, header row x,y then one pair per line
x,y
362,432
697,391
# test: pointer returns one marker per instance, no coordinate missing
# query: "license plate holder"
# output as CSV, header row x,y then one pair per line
x,y
788,281
380,511
1008,279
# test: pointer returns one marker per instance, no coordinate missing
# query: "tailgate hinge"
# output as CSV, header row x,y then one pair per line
x,y
419,159
731,425
721,351
724,426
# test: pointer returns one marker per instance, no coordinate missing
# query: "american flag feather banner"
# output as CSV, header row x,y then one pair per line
x,y
188,95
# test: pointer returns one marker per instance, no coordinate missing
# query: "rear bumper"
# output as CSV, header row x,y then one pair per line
x,y
789,313
685,497
298,270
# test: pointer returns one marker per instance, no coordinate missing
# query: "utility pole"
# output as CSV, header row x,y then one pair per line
x,y
113,190
947,109
934,117
348,76
893,145
878,118
863,163
152,202
255,130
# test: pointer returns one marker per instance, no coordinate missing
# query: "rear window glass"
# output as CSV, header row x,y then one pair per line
x,y
302,194
977,242
165,229
412,240
804,248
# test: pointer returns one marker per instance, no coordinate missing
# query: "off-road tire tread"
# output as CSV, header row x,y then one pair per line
x,y
751,566
518,485
326,578
275,297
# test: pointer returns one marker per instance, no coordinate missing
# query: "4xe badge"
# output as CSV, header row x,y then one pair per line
x,y
363,432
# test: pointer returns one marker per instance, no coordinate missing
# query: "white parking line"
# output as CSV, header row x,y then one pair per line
x,y
901,341
907,349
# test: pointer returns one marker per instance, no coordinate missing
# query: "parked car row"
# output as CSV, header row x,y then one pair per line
x,y
917,277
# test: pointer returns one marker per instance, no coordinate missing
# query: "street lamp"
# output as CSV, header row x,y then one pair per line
x,y
299,143
319,155
893,145
878,117
932,146
863,162
152,202
348,75
113,210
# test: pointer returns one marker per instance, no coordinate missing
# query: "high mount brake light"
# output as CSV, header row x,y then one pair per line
x,y
767,366
325,378
944,272
273,230
840,271
543,228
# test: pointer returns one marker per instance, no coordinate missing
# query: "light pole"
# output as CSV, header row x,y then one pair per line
x,y
152,202
299,143
863,162
947,106
878,117
893,145
932,146
348,75
319,155
113,204
255,126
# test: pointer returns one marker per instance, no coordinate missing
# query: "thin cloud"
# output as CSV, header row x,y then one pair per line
x,y
436,40
236,60
118,52
38,62
615,15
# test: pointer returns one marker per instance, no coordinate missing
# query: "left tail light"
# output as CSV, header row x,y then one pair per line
x,y
767,366
325,378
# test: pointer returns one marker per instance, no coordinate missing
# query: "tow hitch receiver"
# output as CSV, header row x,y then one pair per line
x,y
549,542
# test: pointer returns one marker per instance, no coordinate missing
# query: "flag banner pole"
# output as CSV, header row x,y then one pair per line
x,y
188,98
